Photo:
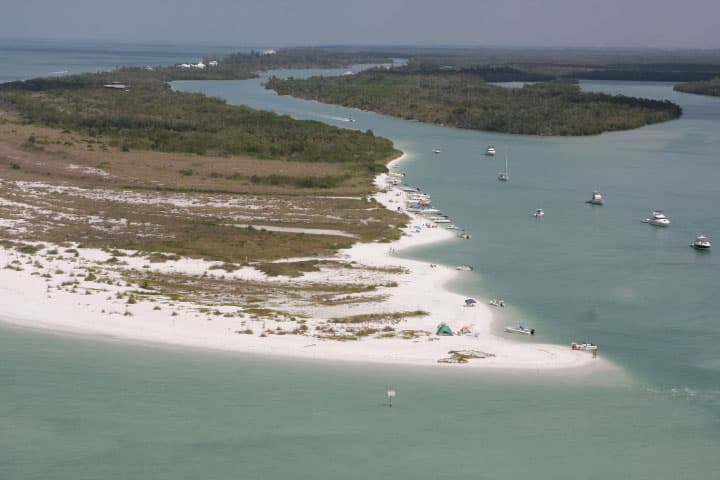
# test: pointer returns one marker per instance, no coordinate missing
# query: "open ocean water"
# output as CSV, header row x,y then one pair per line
x,y
72,408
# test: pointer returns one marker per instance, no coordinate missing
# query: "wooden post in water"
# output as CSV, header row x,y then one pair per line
x,y
391,394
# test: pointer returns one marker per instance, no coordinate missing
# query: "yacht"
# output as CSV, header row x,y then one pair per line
x,y
701,243
658,219
490,151
586,347
539,213
522,330
596,199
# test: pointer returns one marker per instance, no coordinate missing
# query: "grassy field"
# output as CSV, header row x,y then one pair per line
x,y
61,186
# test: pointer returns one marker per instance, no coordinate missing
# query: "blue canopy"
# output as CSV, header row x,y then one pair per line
x,y
470,301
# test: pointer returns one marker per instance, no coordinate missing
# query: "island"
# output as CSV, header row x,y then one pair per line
x,y
706,87
464,99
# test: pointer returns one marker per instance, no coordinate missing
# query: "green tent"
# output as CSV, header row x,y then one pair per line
x,y
443,330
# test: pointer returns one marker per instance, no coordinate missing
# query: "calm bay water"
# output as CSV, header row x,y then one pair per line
x,y
73,408
23,59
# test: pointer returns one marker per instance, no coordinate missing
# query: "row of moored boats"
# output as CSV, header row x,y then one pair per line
x,y
419,203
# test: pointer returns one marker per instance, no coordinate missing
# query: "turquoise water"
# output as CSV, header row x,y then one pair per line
x,y
74,409
79,409
581,272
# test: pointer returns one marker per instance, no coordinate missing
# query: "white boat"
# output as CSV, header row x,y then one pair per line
x,y
490,151
452,227
464,268
436,150
658,219
539,213
504,176
596,199
701,243
463,235
586,347
522,330
496,303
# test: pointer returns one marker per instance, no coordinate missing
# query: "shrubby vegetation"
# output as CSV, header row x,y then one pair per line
x,y
150,116
709,87
465,100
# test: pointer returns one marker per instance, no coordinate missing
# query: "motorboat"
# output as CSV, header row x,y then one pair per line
x,y
539,213
521,329
464,268
596,199
496,303
658,219
452,226
490,151
701,243
586,347
436,151
464,235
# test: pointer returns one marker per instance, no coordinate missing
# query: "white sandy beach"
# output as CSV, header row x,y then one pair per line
x,y
52,291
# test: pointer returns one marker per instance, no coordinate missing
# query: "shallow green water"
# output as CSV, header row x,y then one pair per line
x,y
80,409
75,409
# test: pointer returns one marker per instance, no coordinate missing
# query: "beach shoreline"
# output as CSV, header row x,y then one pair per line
x,y
32,300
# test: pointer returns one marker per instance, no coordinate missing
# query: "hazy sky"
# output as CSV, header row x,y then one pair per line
x,y
583,23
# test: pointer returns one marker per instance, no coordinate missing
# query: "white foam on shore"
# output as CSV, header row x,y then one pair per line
x,y
48,302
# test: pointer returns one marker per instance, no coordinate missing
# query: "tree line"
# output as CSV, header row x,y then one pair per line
x,y
466,100
149,115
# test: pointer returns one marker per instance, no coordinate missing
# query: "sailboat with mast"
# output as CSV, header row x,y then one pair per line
x,y
504,176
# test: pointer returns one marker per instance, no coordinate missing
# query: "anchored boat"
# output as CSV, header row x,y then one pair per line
x,y
596,199
701,243
504,176
586,347
522,330
658,219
